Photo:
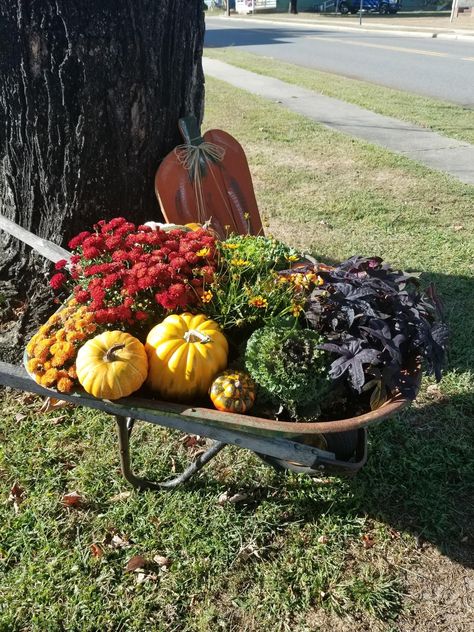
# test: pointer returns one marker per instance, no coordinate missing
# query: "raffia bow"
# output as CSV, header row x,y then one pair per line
x,y
197,160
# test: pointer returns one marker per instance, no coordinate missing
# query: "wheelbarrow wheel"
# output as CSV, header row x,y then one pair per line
x,y
342,444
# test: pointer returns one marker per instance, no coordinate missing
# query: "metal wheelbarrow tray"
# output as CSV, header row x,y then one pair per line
x,y
280,444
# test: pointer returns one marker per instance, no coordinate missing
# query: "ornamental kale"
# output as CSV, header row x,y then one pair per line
x,y
377,320
290,368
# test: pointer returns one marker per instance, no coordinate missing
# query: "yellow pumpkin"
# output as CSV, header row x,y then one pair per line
x,y
112,365
233,392
185,353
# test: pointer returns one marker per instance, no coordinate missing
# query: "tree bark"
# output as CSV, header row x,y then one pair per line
x,y
90,96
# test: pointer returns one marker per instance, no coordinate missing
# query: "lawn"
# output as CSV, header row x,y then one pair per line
x,y
449,119
391,549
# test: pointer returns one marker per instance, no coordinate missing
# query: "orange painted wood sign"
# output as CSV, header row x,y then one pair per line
x,y
208,178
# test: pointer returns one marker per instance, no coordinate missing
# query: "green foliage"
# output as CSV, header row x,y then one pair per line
x,y
289,368
247,291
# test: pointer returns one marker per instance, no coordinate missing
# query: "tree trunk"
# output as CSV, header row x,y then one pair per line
x,y
90,96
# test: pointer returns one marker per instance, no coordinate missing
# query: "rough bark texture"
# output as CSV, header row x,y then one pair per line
x,y
90,96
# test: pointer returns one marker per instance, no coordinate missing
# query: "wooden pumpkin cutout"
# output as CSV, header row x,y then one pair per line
x,y
208,178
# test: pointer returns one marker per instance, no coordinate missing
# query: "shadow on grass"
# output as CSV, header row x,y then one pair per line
x,y
420,472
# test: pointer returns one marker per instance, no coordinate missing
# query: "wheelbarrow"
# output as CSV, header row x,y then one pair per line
x,y
325,447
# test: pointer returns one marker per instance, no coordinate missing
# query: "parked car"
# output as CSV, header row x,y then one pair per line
x,y
370,6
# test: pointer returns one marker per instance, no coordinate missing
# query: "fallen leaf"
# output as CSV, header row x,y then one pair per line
x,y
55,421
146,577
190,441
96,550
249,550
27,398
141,577
20,416
323,539
51,403
119,542
162,561
235,498
118,497
72,499
16,496
434,392
135,562
457,227
368,541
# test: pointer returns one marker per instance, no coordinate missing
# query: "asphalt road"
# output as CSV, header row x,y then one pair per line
x,y
434,67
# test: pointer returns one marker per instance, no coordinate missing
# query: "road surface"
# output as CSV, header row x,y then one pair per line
x,y
438,68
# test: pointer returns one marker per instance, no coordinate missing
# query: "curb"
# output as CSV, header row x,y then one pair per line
x,y
361,29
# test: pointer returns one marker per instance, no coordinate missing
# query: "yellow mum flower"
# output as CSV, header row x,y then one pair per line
x,y
33,365
296,310
291,257
230,246
64,385
258,301
239,262
207,296
204,252
49,378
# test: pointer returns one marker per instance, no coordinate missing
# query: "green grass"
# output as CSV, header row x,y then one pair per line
x,y
446,118
294,555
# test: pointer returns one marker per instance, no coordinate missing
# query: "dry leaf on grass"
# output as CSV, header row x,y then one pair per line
x,y
162,561
117,541
135,562
323,539
249,550
118,497
16,496
96,550
368,541
51,403
190,441
141,578
232,499
73,499
20,416
434,392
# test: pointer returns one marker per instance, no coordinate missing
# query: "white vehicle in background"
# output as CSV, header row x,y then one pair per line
x,y
249,6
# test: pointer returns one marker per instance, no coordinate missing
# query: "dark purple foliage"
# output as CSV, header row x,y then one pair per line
x,y
376,319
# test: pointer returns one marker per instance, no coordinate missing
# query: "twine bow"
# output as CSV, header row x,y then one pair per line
x,y
197,160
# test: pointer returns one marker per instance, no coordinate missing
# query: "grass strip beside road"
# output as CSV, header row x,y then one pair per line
x,y
446,118
388,550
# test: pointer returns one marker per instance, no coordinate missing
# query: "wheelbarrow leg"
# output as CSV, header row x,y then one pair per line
x,y
124,430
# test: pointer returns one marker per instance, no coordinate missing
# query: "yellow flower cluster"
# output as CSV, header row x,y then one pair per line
x,y
52,350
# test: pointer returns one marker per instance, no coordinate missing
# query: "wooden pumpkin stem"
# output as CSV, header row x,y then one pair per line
x,y
110,355
193,335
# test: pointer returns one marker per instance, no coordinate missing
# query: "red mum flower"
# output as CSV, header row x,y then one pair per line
x,y
59,265
91,253
81,295
191,258
57,280
78,240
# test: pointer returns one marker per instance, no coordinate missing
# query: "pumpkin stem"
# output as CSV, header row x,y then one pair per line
x,y
110,355
193,335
